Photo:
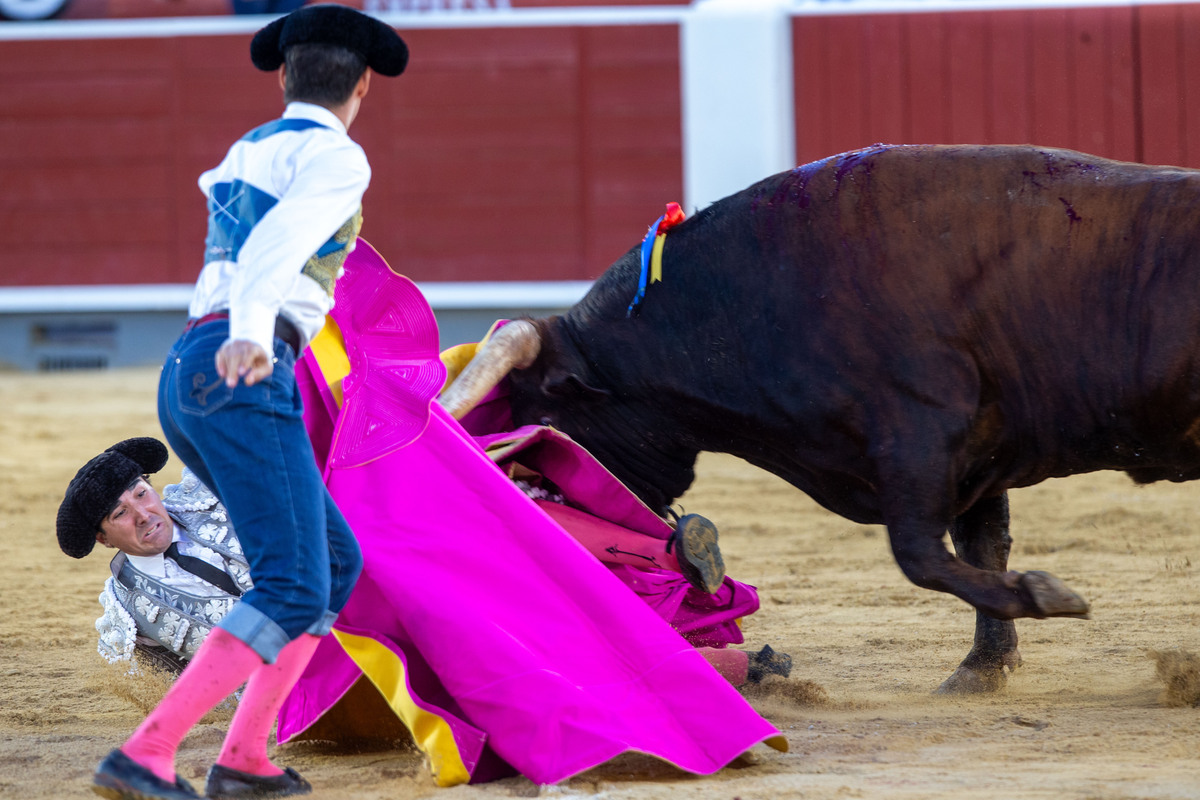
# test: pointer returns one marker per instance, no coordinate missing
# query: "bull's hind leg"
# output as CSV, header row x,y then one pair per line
x,y
981,539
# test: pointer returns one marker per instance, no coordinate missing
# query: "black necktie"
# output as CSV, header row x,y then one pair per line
x,y
204,570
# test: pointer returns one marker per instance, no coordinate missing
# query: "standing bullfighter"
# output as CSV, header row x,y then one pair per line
x,y
284,210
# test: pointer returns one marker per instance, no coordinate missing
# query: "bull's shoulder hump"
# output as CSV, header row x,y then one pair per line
x,y
1022,158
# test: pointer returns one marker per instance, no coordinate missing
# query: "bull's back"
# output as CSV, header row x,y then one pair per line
x,y
1056,286
976,227
1032,255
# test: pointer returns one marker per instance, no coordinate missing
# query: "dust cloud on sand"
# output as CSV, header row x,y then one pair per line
x,y
1101,710
1180,671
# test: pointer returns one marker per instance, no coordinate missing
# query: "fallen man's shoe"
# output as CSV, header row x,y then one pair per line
x,y
229,782
119,777
767,662
699,555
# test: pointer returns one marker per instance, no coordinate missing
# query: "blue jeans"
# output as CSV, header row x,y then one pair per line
x,y
249,445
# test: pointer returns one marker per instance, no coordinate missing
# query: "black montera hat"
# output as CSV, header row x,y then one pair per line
x,y
384,50
98,485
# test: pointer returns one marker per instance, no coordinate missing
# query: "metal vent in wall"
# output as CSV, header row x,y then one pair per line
x,y
70,362
71,344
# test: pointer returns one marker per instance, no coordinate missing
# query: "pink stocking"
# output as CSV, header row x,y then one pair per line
x,y
245,747
734,665
221,664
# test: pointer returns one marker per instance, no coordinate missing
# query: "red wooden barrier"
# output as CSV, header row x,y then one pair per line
x,y
1167,38
501,154
1055,77
542,153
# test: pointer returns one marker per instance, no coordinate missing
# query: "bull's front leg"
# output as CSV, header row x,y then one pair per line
x,y
917,520
926,562
981,538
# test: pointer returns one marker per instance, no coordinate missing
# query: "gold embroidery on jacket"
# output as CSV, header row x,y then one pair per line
x,y
324,269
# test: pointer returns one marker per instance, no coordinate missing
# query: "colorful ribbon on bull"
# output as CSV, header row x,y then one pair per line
x,y
652,250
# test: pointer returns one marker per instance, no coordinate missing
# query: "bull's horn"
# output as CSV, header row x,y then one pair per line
x,y
515,346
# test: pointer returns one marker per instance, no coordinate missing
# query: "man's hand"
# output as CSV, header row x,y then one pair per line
x,y
241,358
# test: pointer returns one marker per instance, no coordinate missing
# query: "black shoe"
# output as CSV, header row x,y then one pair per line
x,y
229,782
767,662
119,777
698,553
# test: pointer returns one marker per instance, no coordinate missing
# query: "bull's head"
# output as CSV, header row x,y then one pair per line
x,y
550,383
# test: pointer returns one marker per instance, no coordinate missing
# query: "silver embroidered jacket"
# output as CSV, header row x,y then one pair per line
x,y
137,605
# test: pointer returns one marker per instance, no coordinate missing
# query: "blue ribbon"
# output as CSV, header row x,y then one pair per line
x,y
647,250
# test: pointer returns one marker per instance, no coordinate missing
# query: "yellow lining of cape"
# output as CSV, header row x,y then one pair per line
x,y
778,742
431,733
385,669
330,349
456,358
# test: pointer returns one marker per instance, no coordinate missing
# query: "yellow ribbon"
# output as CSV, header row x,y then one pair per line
x,y
656,258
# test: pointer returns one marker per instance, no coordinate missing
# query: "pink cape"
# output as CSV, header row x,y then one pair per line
x,y
704,620
498,639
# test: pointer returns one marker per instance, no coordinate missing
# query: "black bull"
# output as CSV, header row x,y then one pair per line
x,y
905,334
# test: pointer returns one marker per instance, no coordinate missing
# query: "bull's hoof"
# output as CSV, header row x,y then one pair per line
x,y
966,680
1053,598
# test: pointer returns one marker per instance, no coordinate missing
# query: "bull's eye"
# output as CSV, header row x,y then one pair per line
x,y
545,422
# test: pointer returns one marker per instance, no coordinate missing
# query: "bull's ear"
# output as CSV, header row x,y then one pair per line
x,y
568,384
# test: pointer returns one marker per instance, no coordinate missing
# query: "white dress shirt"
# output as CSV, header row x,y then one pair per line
x,y
171,573
284,190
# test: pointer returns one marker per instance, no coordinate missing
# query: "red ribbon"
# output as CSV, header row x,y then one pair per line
x,y
673,217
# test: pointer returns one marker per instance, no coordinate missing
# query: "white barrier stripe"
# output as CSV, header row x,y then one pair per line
x,y
503,294
442,296
135,297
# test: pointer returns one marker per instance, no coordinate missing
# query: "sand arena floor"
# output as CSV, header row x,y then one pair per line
x,y
1085,718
